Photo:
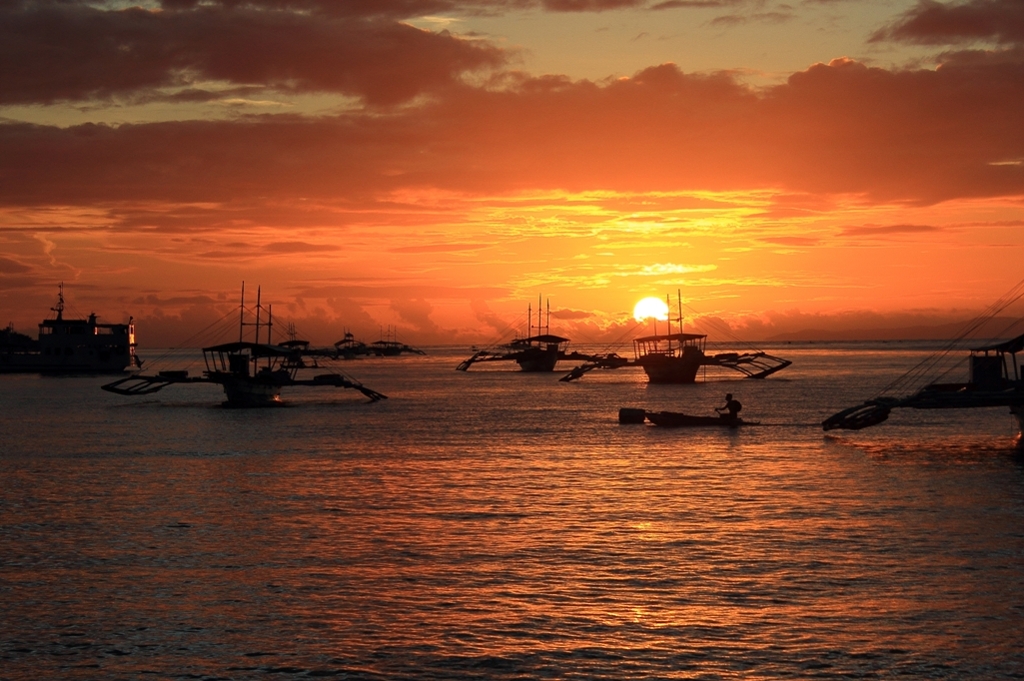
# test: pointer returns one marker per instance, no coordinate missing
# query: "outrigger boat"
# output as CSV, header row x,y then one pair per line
x,y
391,346
536,353
674,419
70,346
676,358
348,347
252,374
994,380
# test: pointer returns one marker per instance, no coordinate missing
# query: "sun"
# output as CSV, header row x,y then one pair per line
x,y
651,307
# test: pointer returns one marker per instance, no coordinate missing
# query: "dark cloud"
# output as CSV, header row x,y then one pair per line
x,y
487,316
696,4
52,52
349,8
412,8
937,23
590,5
438,248
175,301
9,266
416,312
729,20
886,230
919,136
298,247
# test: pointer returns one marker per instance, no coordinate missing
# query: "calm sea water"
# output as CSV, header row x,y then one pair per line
x,y
498,525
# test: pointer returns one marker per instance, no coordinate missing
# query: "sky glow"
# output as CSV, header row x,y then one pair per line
x,y
434,165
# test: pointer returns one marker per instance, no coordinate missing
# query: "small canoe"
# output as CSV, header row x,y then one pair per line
x,y
673,419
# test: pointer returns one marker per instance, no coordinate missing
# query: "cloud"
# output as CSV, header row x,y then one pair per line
x,y
491,319
73,51
438,248
936,23
917,136
886,230
187,50
298,247
696,4
416,312
590,5
664,269
729,20
177,301
349,8
571,314
795,241
10,266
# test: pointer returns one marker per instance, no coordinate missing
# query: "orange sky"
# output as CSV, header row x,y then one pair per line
x,y
435,165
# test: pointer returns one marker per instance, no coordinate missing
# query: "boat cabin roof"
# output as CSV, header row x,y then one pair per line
x,y
1012,346
543,338
670,337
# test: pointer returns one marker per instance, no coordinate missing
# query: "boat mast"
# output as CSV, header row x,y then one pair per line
x,y
241,314
668,321
258,288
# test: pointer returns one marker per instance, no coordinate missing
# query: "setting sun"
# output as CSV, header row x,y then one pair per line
x,y
651,307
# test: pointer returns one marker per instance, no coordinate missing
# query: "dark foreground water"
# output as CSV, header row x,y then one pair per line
x,y
497,525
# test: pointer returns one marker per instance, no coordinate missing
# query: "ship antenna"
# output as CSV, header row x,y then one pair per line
x,y
60,303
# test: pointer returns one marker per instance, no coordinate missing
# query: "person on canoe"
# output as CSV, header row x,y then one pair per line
x,y
731,410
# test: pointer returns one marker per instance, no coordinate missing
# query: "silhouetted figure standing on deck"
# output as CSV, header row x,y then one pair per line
x,y
731,410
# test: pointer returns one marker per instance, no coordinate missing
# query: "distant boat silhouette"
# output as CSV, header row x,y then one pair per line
x,y
535,353
391,346
65,346
252,374
348,347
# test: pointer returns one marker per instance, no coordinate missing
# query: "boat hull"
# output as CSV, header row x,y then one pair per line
x,y
671,419
538,360
247,392
665,369
86,361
